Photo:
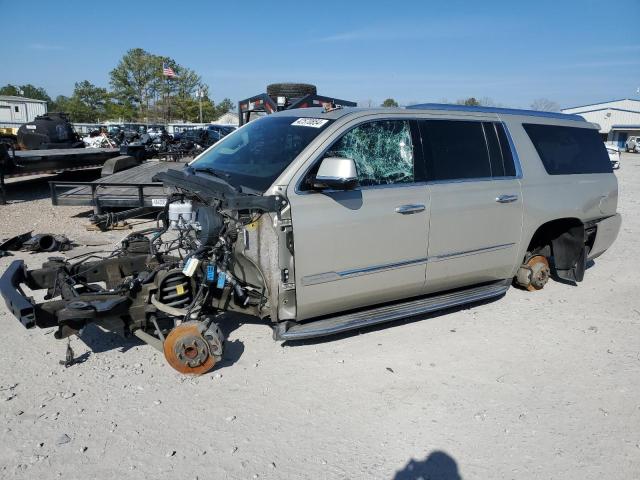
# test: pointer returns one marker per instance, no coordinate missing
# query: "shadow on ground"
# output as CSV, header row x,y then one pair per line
x,y
437,466
99,341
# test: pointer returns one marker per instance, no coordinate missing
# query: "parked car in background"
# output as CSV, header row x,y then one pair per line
x,y
220,131
632,144
614,156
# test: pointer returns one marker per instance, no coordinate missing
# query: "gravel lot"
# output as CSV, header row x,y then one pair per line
x,y
534,385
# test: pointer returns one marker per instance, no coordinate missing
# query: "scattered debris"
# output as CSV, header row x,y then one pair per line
x,y
47,242
13,243
389,369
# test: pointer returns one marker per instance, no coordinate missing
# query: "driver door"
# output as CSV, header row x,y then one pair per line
x,y
368,245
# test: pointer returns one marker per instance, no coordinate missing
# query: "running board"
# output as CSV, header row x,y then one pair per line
x,y
388,313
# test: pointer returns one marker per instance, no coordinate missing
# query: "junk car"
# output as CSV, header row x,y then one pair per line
x,y
324,220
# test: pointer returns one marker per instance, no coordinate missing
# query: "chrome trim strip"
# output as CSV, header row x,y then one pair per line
x,y
499,110
356,272
448,256
514,152
326,277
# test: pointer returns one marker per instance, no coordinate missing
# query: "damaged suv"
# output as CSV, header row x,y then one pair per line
x,y
320,221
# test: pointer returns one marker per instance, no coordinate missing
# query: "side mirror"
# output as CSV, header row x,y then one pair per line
x,y
336,173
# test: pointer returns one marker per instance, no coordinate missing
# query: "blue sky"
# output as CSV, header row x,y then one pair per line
x,y
572,52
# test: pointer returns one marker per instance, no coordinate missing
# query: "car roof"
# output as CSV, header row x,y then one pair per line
x,y
499,110
319,112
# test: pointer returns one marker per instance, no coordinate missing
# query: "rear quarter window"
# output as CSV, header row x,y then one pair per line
x,y
569,150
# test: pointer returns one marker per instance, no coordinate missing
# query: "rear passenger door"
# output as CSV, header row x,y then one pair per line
x,y
476,202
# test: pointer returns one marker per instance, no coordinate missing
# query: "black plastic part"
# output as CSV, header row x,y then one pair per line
x,y
214,189
568,252
15,300
14,243
211,224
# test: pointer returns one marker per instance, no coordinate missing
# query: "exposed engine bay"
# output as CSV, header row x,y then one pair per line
x,y
169,285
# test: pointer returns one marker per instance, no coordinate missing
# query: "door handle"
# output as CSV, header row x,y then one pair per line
x,y
409,209
506,198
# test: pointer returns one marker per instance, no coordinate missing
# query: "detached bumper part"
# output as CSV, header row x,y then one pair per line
x,y
17,303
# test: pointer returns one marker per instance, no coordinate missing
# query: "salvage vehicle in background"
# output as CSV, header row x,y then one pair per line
x,y
321,221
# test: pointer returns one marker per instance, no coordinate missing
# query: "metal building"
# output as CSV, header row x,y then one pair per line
x,y
14,111
618,119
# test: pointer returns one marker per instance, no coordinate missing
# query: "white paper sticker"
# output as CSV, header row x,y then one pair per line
x,y
310,122
31,127
190,267
158,202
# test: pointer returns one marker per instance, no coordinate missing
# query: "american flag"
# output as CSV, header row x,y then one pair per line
x,y
168,71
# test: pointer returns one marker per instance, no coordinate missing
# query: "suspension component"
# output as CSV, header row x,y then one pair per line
x,y
175,290
534,273
193,347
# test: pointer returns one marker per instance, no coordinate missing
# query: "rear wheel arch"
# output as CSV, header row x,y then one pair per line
x,y
563,241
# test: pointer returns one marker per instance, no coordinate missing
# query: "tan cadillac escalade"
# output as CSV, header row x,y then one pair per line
x,y
325,220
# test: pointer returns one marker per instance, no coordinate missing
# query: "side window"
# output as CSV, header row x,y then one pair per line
x,y
569,150
455,149
495,155
382,151
505,148
499,150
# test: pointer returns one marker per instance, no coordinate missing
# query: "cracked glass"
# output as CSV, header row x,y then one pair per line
x,y
382,151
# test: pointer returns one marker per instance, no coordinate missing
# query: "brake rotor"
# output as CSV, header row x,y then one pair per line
x,y
192,348
540,272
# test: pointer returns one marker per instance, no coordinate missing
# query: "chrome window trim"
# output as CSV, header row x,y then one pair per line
x,y
326,277
514,152
512,148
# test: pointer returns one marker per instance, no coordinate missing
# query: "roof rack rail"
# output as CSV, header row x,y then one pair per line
x,y
507,111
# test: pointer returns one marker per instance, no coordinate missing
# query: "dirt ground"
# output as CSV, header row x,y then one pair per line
x,y
533,385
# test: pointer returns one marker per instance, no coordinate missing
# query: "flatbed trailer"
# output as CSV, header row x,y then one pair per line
x,y
24,163
125,189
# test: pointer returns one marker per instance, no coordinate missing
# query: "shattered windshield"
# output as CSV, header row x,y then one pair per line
x,y
258,153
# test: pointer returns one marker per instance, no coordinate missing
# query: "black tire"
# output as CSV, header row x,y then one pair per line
x,y
291,90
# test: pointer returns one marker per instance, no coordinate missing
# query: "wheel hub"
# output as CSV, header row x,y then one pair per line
x,y
192,348
540,272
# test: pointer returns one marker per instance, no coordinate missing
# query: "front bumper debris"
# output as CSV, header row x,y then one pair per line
x,y
17,302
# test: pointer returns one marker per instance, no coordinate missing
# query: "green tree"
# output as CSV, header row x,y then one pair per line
x,y
137,79
389,102
87,104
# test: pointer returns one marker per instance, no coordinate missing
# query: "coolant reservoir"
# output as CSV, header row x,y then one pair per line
x,y
180,213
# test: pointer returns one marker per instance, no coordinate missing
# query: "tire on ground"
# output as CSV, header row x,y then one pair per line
x,y
291,90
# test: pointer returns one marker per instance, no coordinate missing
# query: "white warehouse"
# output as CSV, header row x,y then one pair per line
x,y
618,119
14,111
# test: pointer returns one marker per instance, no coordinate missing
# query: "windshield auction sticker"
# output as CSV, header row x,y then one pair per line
x,y
310,122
